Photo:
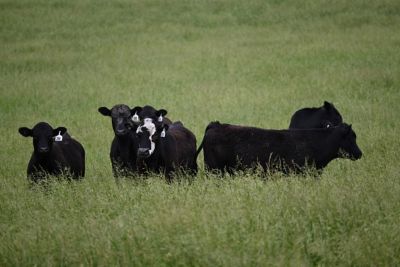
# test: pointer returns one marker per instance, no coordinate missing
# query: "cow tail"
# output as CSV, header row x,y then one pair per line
x,y
199,149
209,126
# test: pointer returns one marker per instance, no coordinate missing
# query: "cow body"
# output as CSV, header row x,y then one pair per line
x,y
52,157
230,147
123,155
322,117
124,145
166,149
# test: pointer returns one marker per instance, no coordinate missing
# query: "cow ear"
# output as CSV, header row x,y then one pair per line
x,y
164,130
328,105
59,130
349,129
104,111
135,117
24,131
160,127
161,112
136,110
346,129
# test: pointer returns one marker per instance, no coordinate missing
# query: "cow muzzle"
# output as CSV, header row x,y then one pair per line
x,y
44,149
121,132
143,153
356,155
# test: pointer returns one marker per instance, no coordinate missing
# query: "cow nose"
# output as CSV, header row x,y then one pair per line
x,y
43,149
143,152
356,155
120,131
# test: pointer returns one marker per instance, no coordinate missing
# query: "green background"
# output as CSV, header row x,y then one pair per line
x,y
241,62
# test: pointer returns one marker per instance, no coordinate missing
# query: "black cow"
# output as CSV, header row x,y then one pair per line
x,y
166,148
230,147
124,145
322,117
54,152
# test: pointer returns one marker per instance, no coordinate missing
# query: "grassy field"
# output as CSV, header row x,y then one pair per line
x,y
241,62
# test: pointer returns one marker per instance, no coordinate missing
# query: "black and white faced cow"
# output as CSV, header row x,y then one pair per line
x,y
54,152
322,117
230,147
166,148
124,145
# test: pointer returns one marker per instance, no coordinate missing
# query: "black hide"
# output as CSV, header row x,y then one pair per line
x,y
53,157
230,147
124,145
322,117
175,152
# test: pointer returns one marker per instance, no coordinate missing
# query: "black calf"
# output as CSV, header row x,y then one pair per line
x,y
54,152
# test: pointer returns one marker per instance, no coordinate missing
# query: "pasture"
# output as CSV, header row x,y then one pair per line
x,y
241,62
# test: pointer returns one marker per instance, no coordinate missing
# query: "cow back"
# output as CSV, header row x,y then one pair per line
x,y
71,154
321,117
185,143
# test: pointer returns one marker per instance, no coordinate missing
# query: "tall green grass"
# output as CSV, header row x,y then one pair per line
x,y
241,62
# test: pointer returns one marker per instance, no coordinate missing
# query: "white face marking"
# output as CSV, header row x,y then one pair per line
x,y
151,128
149,125
160,119
152,148
148,120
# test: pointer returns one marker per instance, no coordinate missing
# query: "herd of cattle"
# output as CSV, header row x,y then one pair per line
x,y
146,141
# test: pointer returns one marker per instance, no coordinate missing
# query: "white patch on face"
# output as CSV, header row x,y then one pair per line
x,y
152,148
148,120
151,128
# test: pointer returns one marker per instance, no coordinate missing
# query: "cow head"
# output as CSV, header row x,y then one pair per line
x,y
149,112
148,133
330,116
121,117
42,134
348,146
